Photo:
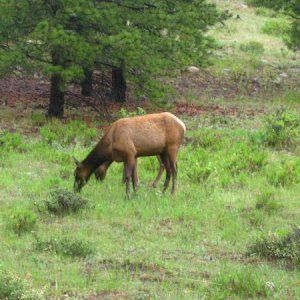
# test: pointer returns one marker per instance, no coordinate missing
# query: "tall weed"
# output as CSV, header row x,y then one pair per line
x,y
56,133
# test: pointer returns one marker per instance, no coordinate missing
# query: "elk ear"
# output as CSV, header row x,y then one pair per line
x,y
77,162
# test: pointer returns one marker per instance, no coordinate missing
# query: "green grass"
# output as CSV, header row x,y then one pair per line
x,y
232,191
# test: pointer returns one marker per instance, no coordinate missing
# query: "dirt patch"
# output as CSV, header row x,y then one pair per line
x,y
33,93
153,273
106,295
194,110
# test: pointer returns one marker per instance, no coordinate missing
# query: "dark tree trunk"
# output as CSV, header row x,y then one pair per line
x,y
87,83
57,96
118,90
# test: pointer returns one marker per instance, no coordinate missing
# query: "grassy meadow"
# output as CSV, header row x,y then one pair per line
x,y
230,232
222,236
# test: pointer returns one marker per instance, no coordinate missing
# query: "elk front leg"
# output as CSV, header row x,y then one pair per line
x,y
128,173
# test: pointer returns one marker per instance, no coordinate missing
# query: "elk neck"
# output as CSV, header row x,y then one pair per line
x,y
99,155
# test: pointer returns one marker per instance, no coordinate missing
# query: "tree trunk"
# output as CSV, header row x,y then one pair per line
x,y
118,91
57,98
87,83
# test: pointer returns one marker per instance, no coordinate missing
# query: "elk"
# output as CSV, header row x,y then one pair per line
x,y
129,138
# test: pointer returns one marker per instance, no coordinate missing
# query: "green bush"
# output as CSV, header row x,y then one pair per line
x,y
266,201
21,220
283,173
277,27
57,133
273,247
281,130
11,141
14,288
37,119
63,202
265,12
252,47
208,139
65,246
245,157
123,113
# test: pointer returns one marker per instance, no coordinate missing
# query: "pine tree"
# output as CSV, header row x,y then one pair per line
x,y
142,39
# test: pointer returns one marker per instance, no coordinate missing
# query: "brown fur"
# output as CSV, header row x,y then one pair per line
x,y
155,134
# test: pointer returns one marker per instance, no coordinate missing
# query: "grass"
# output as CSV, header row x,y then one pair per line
x,y
231,192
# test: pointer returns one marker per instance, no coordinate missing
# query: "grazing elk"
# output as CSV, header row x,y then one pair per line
x,y
155,134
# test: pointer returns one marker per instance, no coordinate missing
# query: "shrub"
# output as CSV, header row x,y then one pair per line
x,y
123,113
37,119
21,220
245,157
65,246
207,139
266,201
14,288
62,202
243,283
281,130
71,133
11,141
265,12
284,173
252,47
277,27
273,247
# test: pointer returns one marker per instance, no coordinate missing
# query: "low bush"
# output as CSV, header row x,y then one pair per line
x,y
277,27
55,133
64,246
253,47
273,247
63,202
123,113
21,220
283,173
265,12
281,130
245,157
11,141
242,283
266,201
14,288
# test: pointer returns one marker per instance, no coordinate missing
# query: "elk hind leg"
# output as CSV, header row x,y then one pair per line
x,y
161,170
172,155
165,160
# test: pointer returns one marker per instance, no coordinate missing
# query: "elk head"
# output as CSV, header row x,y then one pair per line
x,y
79,176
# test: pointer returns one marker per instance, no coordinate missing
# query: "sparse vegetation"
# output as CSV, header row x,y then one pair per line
x,y
64,246
274,247
13,287
253,47
276,27
21,220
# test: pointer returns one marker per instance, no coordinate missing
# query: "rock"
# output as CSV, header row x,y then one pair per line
x,y
256,80
193,69
277,81
283,75
241,6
